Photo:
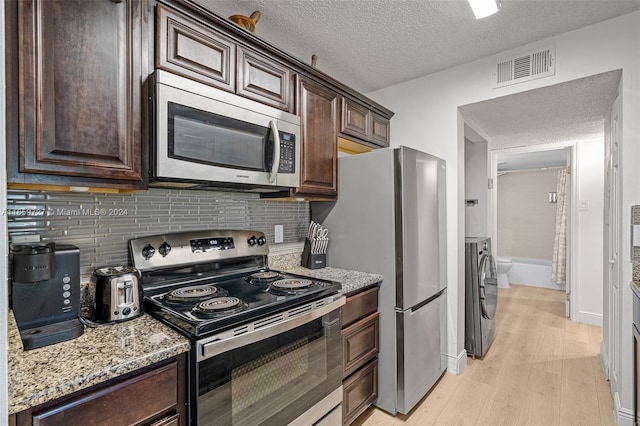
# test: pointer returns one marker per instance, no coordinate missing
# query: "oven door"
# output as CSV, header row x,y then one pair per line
x,y
271,376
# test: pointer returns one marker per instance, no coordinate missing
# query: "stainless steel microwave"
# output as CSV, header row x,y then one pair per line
x,y
205,137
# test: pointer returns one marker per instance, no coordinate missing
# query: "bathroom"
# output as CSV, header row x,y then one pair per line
x,y
532,197
525,193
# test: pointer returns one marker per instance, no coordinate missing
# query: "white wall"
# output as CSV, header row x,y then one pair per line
x,y
587,284
427,118
526,218
476,157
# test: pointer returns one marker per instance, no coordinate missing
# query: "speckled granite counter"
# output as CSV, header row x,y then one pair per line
x,y
352,281
101,353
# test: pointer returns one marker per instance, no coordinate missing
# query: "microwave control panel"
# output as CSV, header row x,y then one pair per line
x,y
287,153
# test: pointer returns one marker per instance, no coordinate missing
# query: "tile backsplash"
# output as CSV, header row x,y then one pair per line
x,y
100,225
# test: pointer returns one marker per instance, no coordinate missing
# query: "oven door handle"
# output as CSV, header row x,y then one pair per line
x,y
267,327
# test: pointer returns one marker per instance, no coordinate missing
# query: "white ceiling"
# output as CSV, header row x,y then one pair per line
x,y
559,113
371,44
533,160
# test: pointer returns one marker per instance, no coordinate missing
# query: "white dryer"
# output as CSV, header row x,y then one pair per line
x,y
481,296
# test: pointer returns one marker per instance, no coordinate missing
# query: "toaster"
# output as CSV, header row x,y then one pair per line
x,y
118,294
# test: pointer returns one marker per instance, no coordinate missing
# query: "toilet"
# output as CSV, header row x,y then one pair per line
x,y
503,265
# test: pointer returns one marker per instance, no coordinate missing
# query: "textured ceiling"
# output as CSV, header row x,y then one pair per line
x,y
371,44
563,112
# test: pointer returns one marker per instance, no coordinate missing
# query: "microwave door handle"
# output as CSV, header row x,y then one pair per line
x,y
276,152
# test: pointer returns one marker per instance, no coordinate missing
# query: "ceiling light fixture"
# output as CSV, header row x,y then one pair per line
x,y
484,8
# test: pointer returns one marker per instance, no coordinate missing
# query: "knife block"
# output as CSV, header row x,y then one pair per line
x,y
312,260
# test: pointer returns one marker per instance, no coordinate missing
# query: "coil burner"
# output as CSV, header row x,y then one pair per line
x,y
219,306
292,285
263,278
194,294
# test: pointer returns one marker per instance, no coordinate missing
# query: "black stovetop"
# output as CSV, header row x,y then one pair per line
x,y
256,299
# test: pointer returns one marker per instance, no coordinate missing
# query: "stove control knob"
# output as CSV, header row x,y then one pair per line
x,y
252,241
164,249
148,251
261,240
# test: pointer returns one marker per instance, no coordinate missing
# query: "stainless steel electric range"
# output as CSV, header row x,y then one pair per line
x,y
266,346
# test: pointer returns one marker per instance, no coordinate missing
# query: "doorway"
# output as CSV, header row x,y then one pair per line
x,y
556,116
533,213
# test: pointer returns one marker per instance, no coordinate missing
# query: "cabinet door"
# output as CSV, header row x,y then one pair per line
x,y
379,130
263,80
317,107
355,120
81,67
185,47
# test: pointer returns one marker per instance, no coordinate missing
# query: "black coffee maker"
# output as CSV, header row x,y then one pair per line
x,y
45,293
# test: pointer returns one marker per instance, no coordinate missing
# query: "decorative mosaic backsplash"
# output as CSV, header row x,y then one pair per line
x,y
635,251
100,225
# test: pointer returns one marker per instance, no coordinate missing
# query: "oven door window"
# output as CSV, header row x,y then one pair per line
x,y
273,381
208,138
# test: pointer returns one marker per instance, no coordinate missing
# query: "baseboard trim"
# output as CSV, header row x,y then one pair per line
x,y
590,318
457,364
604,360
623,416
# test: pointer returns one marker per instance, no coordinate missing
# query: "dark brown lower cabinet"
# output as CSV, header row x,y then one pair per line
x,y
360,346
360,390
155,396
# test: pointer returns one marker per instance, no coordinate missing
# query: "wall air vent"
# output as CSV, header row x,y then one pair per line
x,y
517,69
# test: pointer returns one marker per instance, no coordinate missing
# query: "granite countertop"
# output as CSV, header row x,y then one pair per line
x,y
352,281
100,354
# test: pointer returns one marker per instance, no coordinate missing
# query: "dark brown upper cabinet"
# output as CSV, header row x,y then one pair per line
x,y
264,80
364,125
79,75
185,47
318,107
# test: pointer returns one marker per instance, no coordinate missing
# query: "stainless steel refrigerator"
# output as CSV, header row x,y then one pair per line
x,y
390,219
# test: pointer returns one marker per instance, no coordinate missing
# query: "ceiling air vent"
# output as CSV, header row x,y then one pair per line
x,y
517,69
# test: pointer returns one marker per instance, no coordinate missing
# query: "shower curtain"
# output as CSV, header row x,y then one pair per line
x,y
559,263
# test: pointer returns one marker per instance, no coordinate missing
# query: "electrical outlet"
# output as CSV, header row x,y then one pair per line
x,y
25,239
584,205
279,231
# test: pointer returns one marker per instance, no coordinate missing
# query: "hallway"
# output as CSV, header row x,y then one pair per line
x,y
541,369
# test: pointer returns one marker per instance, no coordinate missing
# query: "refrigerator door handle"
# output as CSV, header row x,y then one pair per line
x,y
424,302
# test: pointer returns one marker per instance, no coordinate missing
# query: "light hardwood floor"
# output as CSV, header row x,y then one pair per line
x,y
541,369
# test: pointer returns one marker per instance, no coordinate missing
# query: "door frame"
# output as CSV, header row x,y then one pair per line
x,y
572,203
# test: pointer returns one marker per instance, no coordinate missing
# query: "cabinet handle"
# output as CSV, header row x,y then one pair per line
x,y
117,1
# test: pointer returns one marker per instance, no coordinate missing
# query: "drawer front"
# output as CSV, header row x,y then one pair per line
x,y
359,306
360,343
360,391
263,80
185,47
129,402
355,120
